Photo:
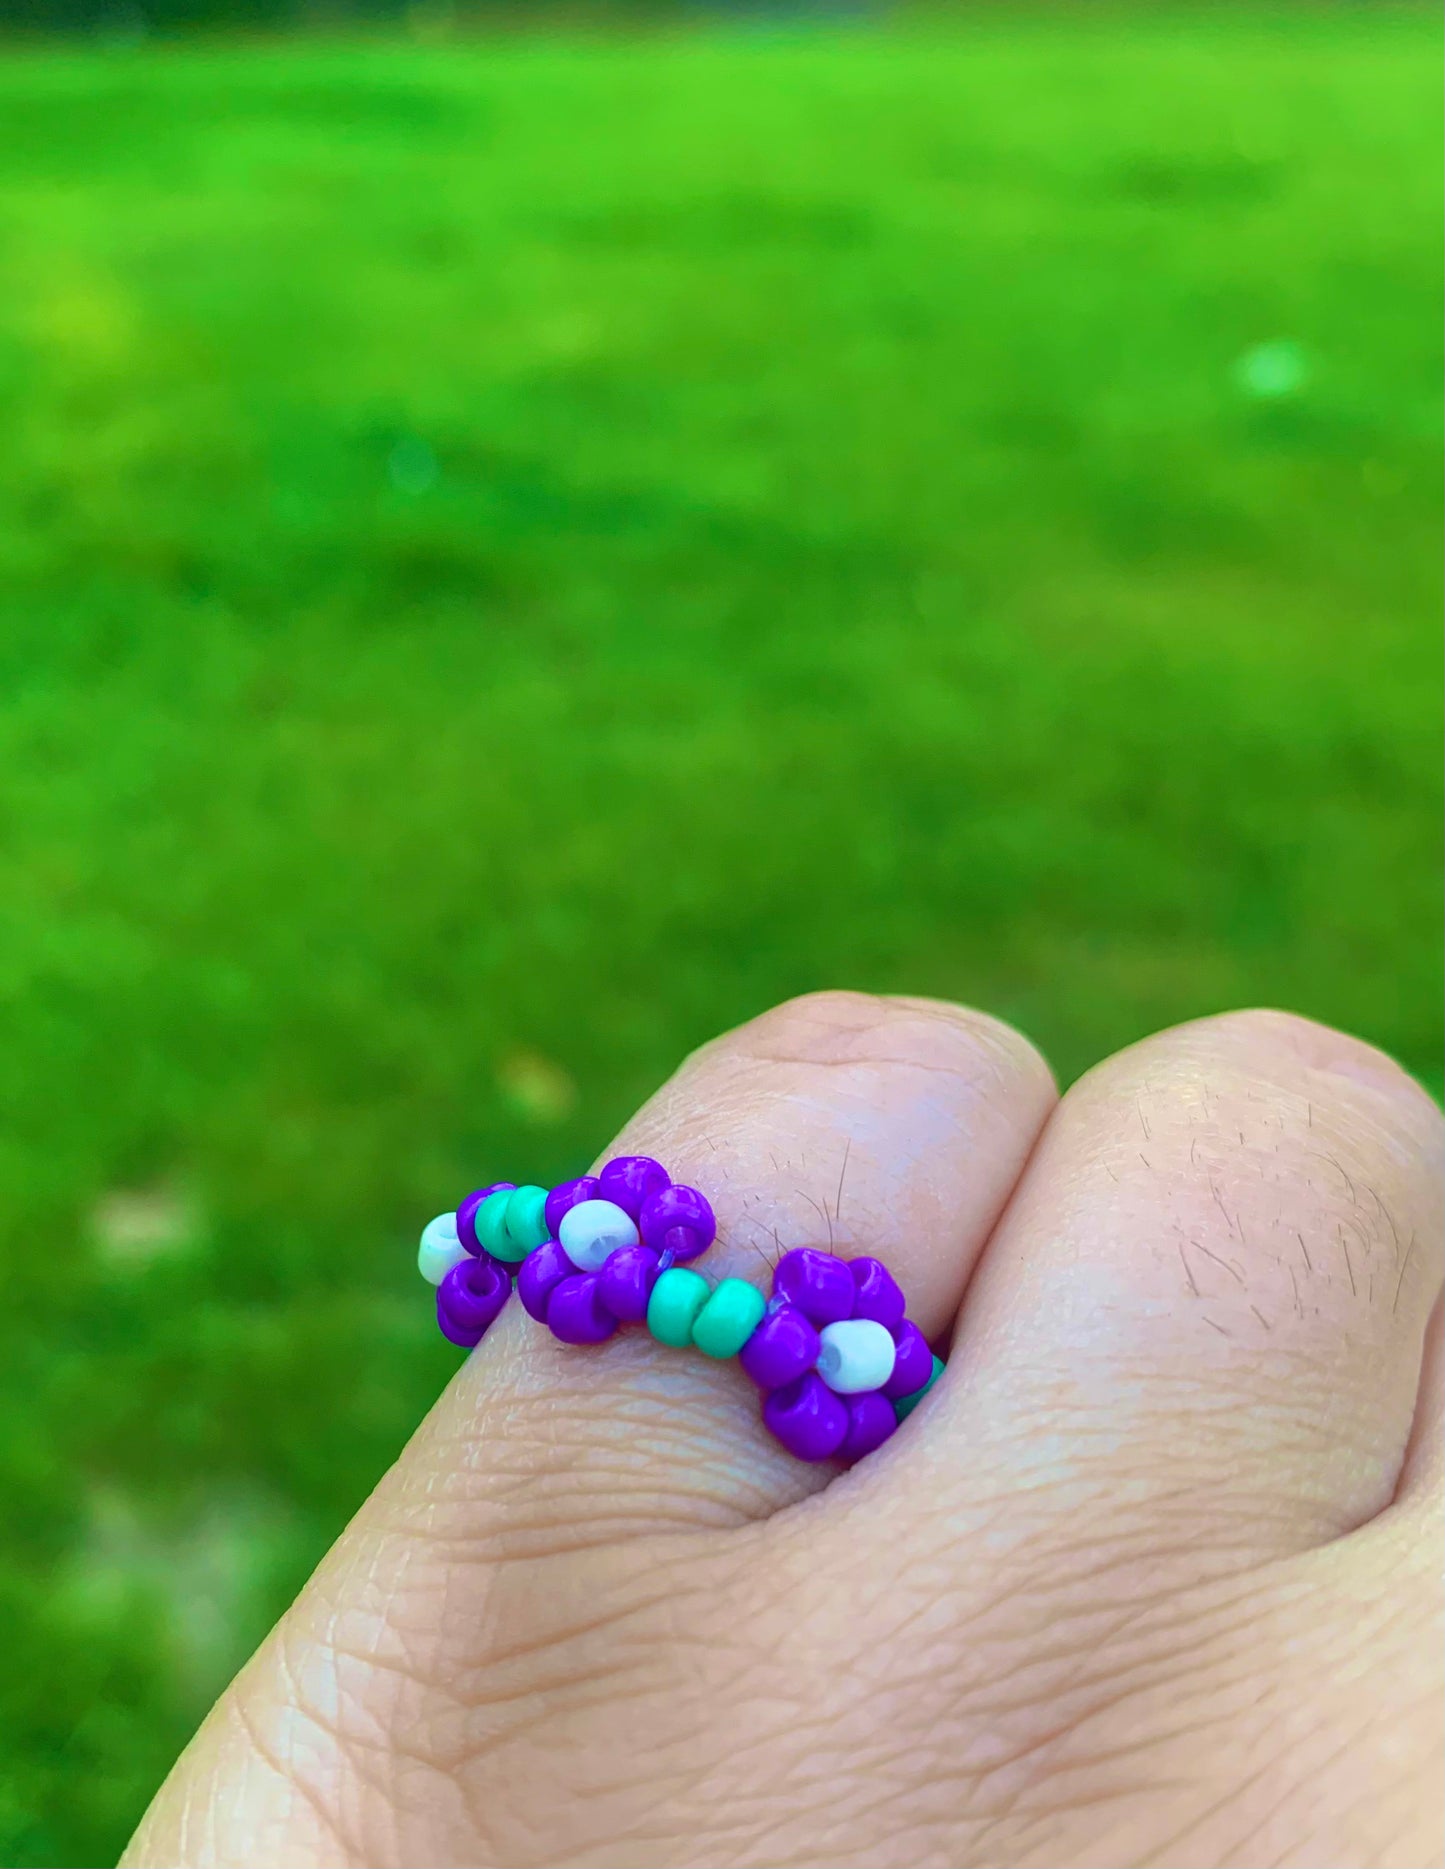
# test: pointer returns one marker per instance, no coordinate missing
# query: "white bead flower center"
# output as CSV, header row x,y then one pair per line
x,y
592,1231
857,1356
440,1249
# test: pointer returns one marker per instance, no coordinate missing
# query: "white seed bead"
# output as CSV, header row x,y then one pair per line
x,y
857,1355
592,1230
440,1249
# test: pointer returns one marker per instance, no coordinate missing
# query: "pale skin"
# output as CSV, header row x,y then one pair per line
x,y
1152,1577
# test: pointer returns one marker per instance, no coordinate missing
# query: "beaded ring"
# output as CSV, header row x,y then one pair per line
x,y
837,1359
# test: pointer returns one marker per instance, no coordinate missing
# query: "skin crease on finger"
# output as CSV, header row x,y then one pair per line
x,y
915,1666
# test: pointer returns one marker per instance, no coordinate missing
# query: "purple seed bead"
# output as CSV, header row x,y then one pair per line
x,y
564,1197
576,1313
626,1281
913,1364
807,1418
782,1348
475,1291
877,1293
467,1215
469,1300
818,1284
682,1245
870,1422
460,1334
679,1221
627,1180
539,1275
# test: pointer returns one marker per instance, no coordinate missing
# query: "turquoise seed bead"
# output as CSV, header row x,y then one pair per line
x,y
526,1226
672,1310
729,1318
490,1222
906,1407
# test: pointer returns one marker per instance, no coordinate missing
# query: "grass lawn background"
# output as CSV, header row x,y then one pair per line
x,y
516,556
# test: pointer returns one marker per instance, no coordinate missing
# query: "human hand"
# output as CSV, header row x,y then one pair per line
x,y
1152,1576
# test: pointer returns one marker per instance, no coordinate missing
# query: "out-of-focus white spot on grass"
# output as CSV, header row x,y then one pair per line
x,y
206,1574
536,1087
1273,370
411,467
132,1226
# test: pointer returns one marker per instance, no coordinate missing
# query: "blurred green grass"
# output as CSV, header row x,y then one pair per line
x,y
513,557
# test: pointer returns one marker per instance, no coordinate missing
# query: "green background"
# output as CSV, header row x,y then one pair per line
x,y
515,555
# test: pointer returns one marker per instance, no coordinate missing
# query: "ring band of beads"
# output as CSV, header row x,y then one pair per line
x,y
831,1348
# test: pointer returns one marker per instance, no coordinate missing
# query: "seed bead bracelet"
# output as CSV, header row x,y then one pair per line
x,y
832,1350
